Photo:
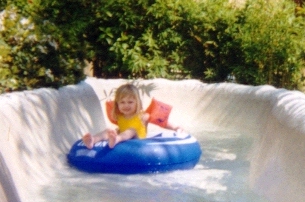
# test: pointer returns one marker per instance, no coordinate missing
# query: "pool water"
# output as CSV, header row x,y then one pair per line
x,y
221,175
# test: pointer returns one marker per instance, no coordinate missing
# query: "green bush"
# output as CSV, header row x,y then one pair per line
x,y
258,43
219,51
143,38
30,58
272,44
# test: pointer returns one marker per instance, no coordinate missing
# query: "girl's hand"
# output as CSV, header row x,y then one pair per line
x,y
174,127
145,118
180,130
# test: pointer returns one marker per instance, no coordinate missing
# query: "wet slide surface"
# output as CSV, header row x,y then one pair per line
x,y
252,138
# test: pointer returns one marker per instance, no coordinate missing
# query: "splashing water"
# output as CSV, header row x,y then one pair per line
x,y
220,176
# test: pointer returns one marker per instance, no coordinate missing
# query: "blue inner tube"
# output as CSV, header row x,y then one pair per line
x,y
166,151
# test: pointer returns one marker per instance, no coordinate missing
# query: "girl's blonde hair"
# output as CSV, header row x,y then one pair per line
x,y
124,91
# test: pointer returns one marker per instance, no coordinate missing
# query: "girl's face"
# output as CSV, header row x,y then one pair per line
x,y
127,106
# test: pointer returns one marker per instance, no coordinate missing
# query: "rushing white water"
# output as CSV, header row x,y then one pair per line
x,y
252,138
221,175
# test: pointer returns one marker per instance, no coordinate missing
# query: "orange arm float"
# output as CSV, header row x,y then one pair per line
x,y
159,113
109,108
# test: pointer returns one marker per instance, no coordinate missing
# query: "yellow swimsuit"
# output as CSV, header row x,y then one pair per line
x,y
134,122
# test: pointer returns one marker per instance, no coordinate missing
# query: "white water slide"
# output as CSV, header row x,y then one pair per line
x,y
252,141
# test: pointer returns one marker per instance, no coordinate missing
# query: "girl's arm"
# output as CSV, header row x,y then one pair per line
x,y
171,126
145,118
174,127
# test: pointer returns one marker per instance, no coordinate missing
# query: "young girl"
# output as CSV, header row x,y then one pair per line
x,y
131,120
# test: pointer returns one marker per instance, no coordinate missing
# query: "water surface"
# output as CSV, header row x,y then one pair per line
x,y
220,176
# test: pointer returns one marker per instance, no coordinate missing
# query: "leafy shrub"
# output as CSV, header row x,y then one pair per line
x,y
272,44
220,52
260,42
144,38
33,59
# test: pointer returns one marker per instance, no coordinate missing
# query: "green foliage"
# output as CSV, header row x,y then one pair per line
x,y
3,4
33,58
143,38
272,43
261,43
219,50
258,43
